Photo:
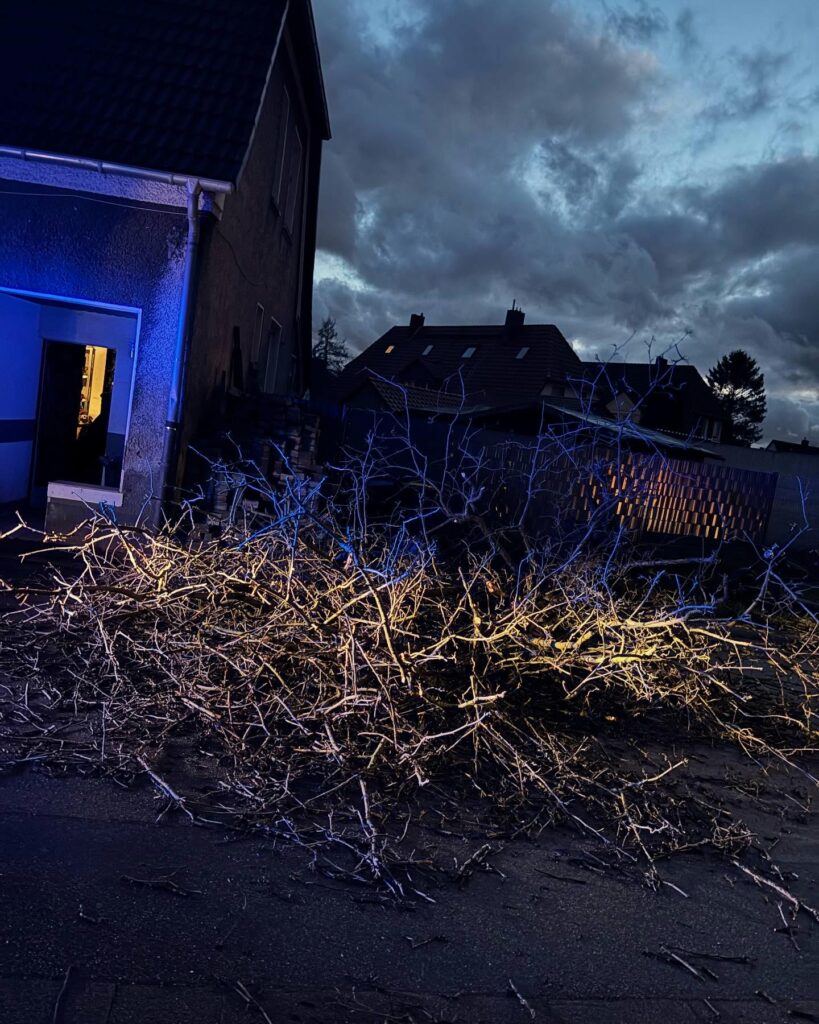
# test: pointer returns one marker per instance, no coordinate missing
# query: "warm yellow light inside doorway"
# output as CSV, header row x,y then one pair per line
x,y
93,382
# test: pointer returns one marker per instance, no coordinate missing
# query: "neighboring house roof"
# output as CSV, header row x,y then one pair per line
x,y
794,447
660,380
416,398
432,361
166,85
627,430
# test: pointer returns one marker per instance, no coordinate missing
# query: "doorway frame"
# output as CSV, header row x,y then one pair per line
x,y
35,498
94,306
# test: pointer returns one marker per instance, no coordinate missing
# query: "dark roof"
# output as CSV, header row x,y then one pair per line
x,y
794,447
419,398
681,381
165,85
627,430
493,376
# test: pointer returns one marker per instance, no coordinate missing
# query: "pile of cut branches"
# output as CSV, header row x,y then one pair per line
x,y
342,657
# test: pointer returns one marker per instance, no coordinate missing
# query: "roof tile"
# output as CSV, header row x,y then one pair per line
x,y
171,85
492,377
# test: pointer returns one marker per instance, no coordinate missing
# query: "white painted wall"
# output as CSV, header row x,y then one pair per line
x,y
20,355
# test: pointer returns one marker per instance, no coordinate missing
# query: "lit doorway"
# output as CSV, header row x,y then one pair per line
x,y
76,386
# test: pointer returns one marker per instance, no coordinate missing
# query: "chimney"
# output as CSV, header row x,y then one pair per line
x,y
416,321
661,364
804,443
514,321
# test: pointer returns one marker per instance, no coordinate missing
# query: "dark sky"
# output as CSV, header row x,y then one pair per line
x,y
626,170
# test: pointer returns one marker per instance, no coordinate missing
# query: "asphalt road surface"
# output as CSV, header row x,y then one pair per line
x,y
91,934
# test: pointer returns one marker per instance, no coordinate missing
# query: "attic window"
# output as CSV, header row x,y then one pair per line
x,y
427,350
522,352
388,349
468,352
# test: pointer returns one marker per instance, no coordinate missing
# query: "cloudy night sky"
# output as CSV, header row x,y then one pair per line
x,y
626,170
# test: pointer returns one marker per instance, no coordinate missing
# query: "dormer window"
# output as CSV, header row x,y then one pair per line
x,y
468,352
522,352
427,350
388,349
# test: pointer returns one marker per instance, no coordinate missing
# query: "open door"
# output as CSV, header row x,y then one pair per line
x,y
72,420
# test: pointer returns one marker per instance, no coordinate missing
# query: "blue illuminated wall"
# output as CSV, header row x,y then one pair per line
x,y
19,379
111,251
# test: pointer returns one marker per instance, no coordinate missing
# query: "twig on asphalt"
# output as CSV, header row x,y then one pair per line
x,y
789,897
472,863
513,990
58,1005
251,1000
768,999
712,956
425,942
667,956
165,789
164,883
788,928
87,917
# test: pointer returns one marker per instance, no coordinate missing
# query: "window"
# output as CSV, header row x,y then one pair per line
x,y
468,352
292,375
237,370
294,169
427,350
388,349
281,154
268,367
522,352
258,331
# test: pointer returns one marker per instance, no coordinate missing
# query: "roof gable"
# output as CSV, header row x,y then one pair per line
x,y
490,376
662,382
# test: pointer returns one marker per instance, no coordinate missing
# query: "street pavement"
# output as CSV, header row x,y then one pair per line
x,y
247,932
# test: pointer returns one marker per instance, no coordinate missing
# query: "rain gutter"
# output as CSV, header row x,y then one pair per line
x,y
104,167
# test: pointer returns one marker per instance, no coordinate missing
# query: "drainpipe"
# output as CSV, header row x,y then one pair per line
x,y
183,336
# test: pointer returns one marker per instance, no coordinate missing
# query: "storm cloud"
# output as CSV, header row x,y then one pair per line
x,y
484,152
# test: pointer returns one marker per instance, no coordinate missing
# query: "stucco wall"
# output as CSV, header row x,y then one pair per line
x,y
110,251
19,381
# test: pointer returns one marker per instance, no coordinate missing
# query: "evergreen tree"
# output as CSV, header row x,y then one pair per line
x,y
739,384
330,350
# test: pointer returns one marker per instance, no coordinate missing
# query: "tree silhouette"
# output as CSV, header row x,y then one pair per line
x,y
739,384
330,350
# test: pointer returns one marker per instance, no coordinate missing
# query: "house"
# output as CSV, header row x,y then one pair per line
x,y
502,371
803,447
668,396
515,373
645,431
159,167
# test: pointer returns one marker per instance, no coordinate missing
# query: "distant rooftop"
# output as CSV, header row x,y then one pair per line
x,y
803,447
659,376
487,365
